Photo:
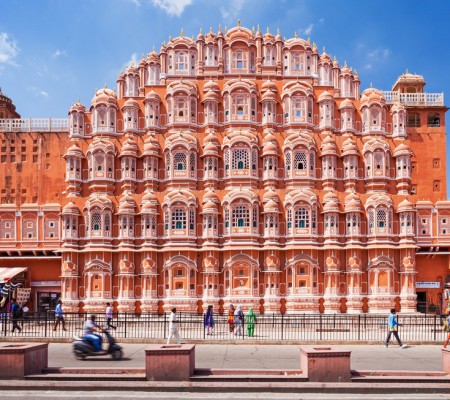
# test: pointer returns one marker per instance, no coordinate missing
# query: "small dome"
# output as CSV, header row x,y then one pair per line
x,y
397,106
105,96
211,96
324,57
149,266
149,197
74,151
270,195
402,150
331,206
131,70
325,96
130,103
210,149
346,103
77,107
405,205
129,148
269,85
269,95
271,206
127,203
126,267
151,147
71,208
211,85
152,95
210,195
209,205
372,95
270,149
153,57
330,196
349,147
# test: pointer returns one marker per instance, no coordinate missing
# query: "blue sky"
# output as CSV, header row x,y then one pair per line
x,y
54,52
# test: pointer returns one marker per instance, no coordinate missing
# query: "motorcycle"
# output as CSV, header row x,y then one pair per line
x,y
83,348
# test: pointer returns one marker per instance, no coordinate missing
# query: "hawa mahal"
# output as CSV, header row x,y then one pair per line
x,y
235,167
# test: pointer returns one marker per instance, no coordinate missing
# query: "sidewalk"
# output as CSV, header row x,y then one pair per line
x,y
243,356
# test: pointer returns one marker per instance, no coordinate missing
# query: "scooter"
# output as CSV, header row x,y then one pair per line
x,y
83,348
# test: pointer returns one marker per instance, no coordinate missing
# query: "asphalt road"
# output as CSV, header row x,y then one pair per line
x,y
237,356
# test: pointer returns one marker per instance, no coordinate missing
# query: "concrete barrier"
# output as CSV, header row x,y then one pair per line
x,y
20,359
446,360
170,362
325,364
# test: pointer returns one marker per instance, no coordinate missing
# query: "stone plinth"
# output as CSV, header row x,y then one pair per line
x,y
325,363
20,359
171,362
446,360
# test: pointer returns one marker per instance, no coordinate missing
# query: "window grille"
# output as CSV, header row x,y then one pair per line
x,y
371,221
96,222
302,218
179,162
192,161
191,220
241,216
7,229
300,161
179,218
51,228
255,216
288,161
107,223
240,159
181,62
289,219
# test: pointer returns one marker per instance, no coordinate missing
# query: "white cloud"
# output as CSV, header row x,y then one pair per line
x,y
379,54
8,49
39,92
59,53
231,14
171,7
137,3
309,29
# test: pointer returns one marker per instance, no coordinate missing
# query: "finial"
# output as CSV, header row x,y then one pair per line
x,y
170,38
267,30
153,48
78,97
105,87
278,31
371,84
309,40
259,29
239,23
253,30
201,31
334,58
182,32
284,38
324,49
220,27
226,30
345,63
356,72
296,35
315,45
192,37
210,29
407,72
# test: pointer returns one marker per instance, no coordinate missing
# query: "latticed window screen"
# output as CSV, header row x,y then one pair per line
x,y
288,161
227,160
313,218
181,61
302,218
255,216
99,162
107,222
181,107
192,161
311,161
179,218
191,220
371,220
241,159
7,229
241,216
297,61
381,218
300,161
378,161
254,159
96,222
240,105
289,218
179,162
227,217
166,220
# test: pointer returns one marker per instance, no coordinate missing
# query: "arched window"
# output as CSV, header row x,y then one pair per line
x,y
179,162
241,216
96,222
302,218
179,219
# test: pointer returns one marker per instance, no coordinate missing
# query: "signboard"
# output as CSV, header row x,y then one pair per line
x,y
428,285
45,283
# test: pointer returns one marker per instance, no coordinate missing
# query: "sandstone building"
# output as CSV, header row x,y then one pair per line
x,y
237,167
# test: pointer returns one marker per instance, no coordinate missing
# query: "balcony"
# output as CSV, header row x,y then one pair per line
x,y
34,125
415,99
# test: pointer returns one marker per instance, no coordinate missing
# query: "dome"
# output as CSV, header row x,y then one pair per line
x,y
211,85
152,95
330,196
397,106
328,146
149,197
269,95
77,107
372,95
127,204
74,151
331,206
71,208
211,96
405,205
271,206
270,195
270,149
349,147
149,266
269,85
105,96
129,148
210,149
324,57
130,103
153,57
126,266
151,147
210,195
402,150
131,70
209,206
346,103
325,96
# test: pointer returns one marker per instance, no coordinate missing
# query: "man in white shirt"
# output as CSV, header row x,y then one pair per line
x,y
173,327
109,316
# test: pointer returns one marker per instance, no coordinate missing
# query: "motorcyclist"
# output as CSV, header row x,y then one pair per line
x,y
91,332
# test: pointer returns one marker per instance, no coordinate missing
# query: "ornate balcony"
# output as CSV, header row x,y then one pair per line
x,y
415,99
34,125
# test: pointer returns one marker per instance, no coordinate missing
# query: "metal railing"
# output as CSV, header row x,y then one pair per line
x,y
268,327
415,99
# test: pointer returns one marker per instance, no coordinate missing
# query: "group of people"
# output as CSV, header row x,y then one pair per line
x,y
237,319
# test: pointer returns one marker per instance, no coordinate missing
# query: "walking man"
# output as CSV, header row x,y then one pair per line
x,y
173,327
15,315
109,316
393,329
59,316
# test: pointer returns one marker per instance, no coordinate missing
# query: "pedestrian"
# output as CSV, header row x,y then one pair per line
x,y
59,316
231,318
173,327
109,316
209,320
16,312
393,329
239,321
448,332
250,320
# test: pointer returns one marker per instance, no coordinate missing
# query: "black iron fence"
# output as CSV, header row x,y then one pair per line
x,y
268,327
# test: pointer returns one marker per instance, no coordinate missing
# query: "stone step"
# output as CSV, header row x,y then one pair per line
x,y
244,375
401,379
